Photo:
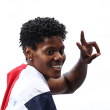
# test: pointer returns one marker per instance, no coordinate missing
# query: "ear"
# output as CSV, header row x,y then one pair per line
x,y
28,52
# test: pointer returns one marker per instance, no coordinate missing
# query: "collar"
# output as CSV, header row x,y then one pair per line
x,y
36,73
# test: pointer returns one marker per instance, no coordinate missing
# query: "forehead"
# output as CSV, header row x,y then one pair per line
x,y
53,41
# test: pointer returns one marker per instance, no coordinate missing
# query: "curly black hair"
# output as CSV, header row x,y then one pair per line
x,y
35,30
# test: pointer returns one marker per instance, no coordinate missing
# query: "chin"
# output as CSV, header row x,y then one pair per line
x,y
56,77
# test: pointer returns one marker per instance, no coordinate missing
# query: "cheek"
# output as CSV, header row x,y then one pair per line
x,y
43,62
38,61
40,65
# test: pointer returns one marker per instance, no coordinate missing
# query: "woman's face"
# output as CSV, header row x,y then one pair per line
x,y
49,57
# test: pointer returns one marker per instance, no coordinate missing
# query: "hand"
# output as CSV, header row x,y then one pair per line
x,y
86,49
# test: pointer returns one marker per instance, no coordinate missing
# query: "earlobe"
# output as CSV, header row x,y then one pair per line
x,y
30,59
28,52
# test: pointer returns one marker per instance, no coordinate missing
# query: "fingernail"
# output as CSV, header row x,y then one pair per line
x,y
99,53
81,30
77,43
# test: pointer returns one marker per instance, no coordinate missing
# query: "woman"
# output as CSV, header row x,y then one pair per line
x,y
30,86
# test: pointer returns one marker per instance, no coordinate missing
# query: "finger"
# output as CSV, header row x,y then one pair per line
x,y
79,46
89,49
94,44
89,59
83,41
82,48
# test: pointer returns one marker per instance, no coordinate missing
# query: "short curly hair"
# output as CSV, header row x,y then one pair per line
x,y
35,30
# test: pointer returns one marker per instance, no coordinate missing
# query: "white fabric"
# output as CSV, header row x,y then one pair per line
x,y
30,84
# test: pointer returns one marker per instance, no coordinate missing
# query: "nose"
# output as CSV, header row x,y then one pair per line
x,y
58,57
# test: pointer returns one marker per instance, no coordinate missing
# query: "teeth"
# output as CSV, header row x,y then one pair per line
x,y
58,66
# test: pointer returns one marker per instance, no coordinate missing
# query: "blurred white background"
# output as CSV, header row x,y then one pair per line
x,y
92,16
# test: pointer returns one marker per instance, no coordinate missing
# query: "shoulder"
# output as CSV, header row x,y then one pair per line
x,y
29,85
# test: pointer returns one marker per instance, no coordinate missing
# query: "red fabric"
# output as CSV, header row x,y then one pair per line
x,y
12,77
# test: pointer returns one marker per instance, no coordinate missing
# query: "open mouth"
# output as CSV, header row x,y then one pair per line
x,y
57,67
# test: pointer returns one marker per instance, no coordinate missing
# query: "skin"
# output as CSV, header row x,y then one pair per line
x,y
51,53
48,58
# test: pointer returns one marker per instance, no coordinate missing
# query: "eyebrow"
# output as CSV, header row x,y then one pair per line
x,y
52,47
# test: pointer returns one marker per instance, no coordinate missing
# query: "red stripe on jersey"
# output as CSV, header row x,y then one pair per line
x,y
12,77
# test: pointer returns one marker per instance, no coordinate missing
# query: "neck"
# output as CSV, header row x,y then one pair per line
x,y
46,77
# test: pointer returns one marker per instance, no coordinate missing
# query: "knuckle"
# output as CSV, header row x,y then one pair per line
x,y
94,42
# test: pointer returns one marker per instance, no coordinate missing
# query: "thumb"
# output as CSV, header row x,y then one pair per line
x,y
89,59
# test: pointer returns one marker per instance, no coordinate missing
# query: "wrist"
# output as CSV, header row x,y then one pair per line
x,y
81,61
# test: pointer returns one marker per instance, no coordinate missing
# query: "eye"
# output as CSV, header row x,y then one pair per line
x,y
62,51
49,52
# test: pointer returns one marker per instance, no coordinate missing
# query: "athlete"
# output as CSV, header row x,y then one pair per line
x,y
30,86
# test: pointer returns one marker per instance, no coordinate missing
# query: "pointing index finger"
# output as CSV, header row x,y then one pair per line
x,y
83,41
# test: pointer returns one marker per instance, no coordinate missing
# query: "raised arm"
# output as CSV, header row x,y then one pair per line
x,y
73,79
